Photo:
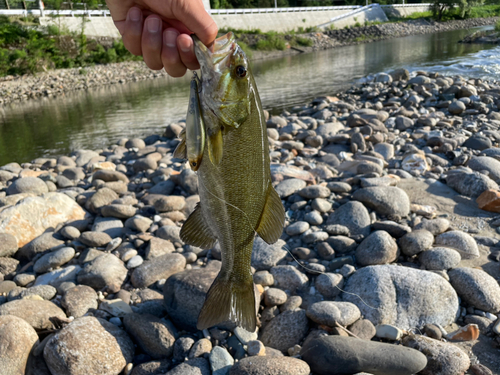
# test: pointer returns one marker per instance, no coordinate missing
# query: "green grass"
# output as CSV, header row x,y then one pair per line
x,y
456,13
271,42
304,42
24,49
497,26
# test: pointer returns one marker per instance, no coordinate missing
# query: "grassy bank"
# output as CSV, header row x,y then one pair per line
x,y
456,13
25,48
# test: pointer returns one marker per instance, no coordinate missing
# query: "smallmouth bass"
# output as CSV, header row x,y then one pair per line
x,y
237,199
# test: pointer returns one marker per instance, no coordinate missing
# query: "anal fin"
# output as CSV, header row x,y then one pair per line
x,y
196,232
272,219
229,300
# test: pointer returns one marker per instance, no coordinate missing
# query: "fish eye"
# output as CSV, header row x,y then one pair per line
x,y
193,164
241,71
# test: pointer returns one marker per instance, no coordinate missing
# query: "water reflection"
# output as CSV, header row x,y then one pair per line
x,y
99,117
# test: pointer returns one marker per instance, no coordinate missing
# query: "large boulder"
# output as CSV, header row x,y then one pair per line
x,y
402,296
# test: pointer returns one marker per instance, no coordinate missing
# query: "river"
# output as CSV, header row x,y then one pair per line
x,y
99,117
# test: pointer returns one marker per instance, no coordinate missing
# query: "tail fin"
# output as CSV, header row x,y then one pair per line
x,y
229,301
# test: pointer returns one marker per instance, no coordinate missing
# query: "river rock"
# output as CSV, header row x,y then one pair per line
x,y
288,187
329,284
120,211
101,198
46,292
442,358
220,361
17,339
8,245
378,248
363,329
314,191
152,335
57,277
54,259
269,365
348,355
161,267
104,271
329,312
265,256
470,184
477,288
33,185
79,300
415,242
486,163
195,366
352,215
157,367
38,313
88,345
456,107
289,278
385,200
185,294
435,226
461,242
402,296
440,258
285,330
32,216
478,142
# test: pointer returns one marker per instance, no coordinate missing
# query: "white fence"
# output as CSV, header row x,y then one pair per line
x,y
105,13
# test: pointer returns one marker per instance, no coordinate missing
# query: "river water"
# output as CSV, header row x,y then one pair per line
x,y
99,117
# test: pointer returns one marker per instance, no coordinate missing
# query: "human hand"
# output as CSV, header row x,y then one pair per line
x,y
159,30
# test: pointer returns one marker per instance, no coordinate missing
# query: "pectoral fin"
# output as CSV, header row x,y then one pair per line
x,y
196,232
215,147
272,219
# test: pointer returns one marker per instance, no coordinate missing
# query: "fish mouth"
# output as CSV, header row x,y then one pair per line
x,y
215,57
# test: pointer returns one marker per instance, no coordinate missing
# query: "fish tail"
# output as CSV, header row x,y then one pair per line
x,y
229,300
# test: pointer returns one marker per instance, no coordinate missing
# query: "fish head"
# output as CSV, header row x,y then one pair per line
x,y
226,79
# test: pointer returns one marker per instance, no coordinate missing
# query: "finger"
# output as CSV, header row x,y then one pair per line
x,y
152,41
132,31
186,51
170,54
191,13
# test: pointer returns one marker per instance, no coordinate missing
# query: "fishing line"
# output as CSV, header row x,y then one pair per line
x,y
285,247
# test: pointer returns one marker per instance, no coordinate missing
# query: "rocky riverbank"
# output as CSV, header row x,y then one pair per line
x,y
392,200
58,82
482,37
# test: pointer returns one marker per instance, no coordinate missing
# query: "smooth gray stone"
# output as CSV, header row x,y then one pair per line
x,y
348,355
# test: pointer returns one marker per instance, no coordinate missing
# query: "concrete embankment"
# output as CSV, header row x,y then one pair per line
x,y
279,21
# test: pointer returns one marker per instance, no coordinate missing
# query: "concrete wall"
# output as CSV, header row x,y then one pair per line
x,y
103,26
400,11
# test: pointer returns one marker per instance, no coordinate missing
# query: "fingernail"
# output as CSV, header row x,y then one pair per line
x,y
153,25
185,47
171,38
134,14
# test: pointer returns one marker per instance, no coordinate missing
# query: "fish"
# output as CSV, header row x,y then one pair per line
x,y
237,199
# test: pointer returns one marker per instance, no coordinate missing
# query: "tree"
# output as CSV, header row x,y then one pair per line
x,y
466,6
440,7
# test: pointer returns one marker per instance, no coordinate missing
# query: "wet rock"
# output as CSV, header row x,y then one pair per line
x,y
151,334
378,248
385,200
352,215
161,267
477,288
88,345
285,330
38,313
17,339
442,358
461,242
329,312
104,271
336,354
79,300
270,365
402,296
